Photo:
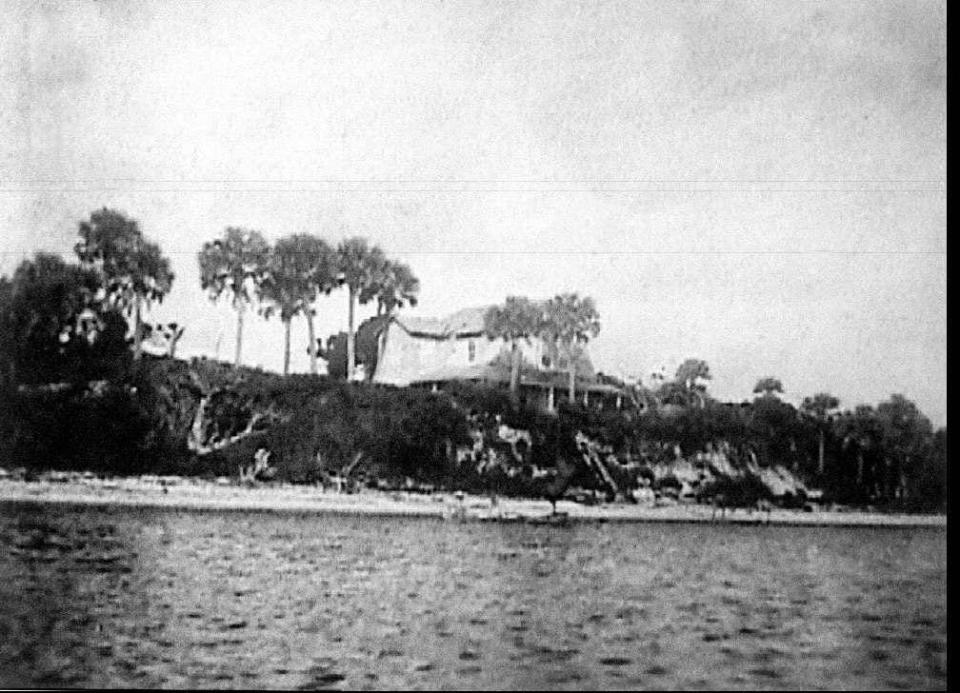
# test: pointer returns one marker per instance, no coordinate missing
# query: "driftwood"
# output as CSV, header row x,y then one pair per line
x,y
260,470
591,456
196,442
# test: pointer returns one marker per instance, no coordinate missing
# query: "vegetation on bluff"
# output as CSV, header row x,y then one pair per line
x,y
74,394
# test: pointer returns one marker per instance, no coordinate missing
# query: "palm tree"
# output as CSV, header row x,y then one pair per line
x,y
570,322
905,432
236,264
688,375
517,319
134,271
359,266
289,285
818,408
768,386
325,277
860,429
394,287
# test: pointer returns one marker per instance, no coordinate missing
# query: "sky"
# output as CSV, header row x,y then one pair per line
x,y
758,185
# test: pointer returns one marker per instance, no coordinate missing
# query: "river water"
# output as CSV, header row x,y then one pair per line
x,y
156,598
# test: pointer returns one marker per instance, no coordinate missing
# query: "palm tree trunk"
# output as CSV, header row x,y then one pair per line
x,y
820,458
312,348
137,337
572,381
886,479
236,358
515,373
351,359
286,346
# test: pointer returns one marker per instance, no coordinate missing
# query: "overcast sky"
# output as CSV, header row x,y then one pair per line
x,y
760,185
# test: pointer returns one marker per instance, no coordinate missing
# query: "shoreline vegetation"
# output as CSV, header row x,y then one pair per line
x,y
199,495
79,394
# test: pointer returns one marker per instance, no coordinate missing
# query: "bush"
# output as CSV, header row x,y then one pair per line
x,y
76,428
741,492
398,432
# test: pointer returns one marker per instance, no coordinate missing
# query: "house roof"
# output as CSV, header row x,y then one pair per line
x,y
463,322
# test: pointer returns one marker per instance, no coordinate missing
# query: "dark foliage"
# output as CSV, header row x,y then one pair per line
x,y
106,430
54,329
739,492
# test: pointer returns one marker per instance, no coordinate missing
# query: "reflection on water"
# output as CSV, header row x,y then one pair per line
x,y
117,597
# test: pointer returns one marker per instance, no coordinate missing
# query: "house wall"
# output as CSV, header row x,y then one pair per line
x,y
406,357
401,357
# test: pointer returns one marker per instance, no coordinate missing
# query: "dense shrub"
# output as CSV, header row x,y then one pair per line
x,y
741,492
398,432
142,418
78,428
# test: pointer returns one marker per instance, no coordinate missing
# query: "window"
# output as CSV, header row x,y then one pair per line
x,y
471,350
545,360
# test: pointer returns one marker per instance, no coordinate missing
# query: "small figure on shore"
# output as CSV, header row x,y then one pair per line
x,y
764,505
719,501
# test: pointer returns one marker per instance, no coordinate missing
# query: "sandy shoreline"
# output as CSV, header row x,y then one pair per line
x,y
199,495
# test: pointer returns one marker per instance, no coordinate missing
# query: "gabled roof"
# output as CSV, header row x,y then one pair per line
x,y
468,321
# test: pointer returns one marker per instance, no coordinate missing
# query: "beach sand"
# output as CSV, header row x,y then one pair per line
x,y
198,495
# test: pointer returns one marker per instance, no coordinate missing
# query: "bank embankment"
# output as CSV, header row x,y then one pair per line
x,y
200,495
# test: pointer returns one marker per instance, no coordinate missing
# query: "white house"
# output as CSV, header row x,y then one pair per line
x,y
435,351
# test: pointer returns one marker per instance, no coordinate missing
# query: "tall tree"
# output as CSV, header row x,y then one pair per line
x,y
394,286
360,264
8,341
236,264
324,277
768,386
134,271
570,322
54,327
288,287
689,375
518,319
906,436
859,431
819,408
772,428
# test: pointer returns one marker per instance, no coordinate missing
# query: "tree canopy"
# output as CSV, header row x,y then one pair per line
x,y
361,267
569,322
55,328
768,386
289,285
131,266
289,282
133,271
689,377
394,286
517,318
820,405
236,264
